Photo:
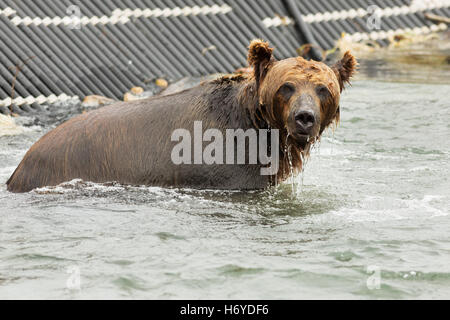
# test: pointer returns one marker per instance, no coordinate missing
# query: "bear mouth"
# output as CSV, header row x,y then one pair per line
x,y
300,139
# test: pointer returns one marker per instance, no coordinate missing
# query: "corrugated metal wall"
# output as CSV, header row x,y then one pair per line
x,y
47,54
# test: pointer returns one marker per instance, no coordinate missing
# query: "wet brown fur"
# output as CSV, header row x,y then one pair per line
x,y
129,142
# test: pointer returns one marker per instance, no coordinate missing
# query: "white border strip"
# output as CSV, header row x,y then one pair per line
x,y
277,21
172,12
7,11
68,20
118,15
39,99
416,6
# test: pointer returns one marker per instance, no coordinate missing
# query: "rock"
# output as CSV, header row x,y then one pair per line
x,y
137,90
188,82
136,93
94,101
8,126
180,85
128,96
161,83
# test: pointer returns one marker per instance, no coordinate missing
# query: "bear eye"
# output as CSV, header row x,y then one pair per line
x,y
287,90
322,91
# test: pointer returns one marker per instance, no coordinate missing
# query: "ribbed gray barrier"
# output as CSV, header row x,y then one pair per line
x,y
52,50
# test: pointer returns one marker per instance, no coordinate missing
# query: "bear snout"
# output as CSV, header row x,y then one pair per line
x,y
303,126
305,120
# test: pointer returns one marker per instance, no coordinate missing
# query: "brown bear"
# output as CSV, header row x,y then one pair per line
x,y
133,142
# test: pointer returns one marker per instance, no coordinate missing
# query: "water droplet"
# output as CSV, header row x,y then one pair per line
x,y
332,140
291,168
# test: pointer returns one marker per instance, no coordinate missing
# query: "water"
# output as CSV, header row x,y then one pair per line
x,y
377,198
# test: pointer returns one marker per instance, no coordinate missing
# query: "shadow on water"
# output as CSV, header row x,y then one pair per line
x,y
276,201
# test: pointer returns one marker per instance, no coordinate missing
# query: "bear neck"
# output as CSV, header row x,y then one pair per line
x,y
248,101
290,157
236,100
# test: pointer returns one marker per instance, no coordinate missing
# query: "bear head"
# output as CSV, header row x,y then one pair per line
x,y
296,96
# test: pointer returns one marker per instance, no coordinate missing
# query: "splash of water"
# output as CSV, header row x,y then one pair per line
x,y
291,168
317,145
303,159
8,126
276,174
333,141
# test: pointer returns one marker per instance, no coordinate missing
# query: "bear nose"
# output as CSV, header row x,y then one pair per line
x,y
305,120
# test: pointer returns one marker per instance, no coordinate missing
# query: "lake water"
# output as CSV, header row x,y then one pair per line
x,y
370,219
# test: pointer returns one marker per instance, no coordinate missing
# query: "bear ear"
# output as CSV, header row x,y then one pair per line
x,y
345,69
259,57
